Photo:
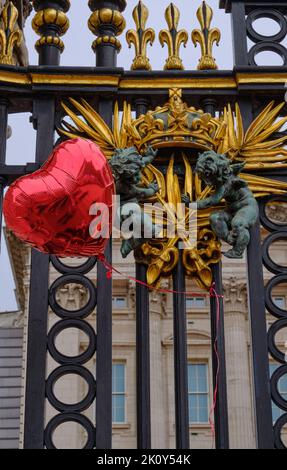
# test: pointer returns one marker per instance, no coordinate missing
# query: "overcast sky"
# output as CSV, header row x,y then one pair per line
x,y
78,40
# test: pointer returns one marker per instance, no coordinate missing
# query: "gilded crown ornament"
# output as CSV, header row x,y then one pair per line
x,y
190,131
206,37
173,38
140,38
11,35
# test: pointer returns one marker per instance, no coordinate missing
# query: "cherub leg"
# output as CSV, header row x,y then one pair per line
x,y
220,224
147,229
239,236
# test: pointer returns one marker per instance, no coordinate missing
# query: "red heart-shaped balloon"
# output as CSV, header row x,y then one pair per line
x,y
50,209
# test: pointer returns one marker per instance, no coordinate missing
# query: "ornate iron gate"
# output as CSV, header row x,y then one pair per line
x,y
42,89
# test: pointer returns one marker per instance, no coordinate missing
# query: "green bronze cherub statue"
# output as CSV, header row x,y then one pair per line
x,y
127,166
231,225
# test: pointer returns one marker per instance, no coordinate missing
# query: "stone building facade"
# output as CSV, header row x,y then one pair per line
x,y
238,354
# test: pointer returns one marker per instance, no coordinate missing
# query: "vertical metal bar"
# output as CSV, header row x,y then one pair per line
x,y
217,334
44,117
143,361
256,295
104,333
36,352
142,341
104,307
219,380
3,140
180,359
240,45
262,391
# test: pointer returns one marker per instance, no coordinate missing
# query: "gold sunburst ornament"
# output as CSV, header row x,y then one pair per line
x,y
178,126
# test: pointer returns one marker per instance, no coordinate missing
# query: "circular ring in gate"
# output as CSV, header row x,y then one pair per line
x,y
268,223
276,395
267,260
267,47
270,305
274,15
80,325
71,369
62,268
67,418
273,349
73,279
278,427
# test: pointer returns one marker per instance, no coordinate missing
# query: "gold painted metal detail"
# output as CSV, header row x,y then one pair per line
x,y
182,83
107,40
206,37
191,83
10,34
50,16
162,256
95,127
173,38
50,40
140,38
106,17
177,125
254,146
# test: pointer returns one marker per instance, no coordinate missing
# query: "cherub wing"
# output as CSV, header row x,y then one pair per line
x,y
237,168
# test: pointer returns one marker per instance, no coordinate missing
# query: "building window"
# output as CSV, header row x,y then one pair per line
x,y
198,393
120,302
282,387
195,302
119,393
280,301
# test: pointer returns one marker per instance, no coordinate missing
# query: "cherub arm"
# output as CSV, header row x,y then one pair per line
x,y
212,200
149,156
144,193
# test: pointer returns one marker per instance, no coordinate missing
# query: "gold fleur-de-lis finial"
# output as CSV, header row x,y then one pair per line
x,y
10,34
140,38
206,37
173,38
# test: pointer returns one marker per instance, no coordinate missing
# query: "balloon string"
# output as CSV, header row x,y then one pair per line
x,y
212,293
215,347
110,269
